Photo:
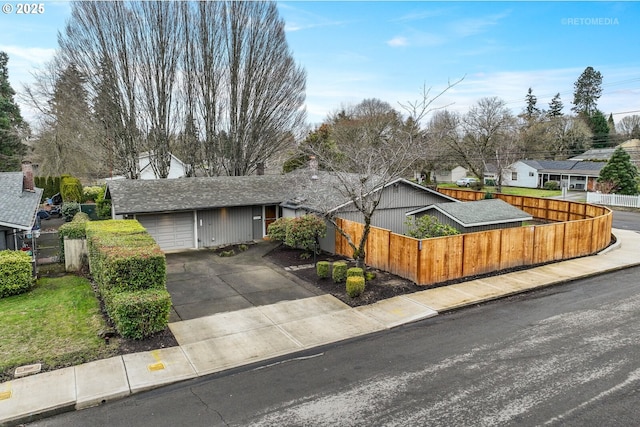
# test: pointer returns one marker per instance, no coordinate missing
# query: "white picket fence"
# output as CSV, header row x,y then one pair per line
x,y
613,200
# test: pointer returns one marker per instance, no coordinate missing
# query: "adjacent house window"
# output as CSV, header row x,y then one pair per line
x,y
530,173
514,176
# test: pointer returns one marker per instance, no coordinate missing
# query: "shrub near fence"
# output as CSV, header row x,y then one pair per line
x,y
130,270
15,273
583,230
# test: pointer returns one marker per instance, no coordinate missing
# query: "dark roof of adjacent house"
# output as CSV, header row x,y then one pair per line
x,y
478,213
19,208
302,189
571,167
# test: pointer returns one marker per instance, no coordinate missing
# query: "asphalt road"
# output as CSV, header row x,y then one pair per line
x,y
567,355
626,220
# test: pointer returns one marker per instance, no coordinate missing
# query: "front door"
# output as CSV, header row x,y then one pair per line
x,y
270,215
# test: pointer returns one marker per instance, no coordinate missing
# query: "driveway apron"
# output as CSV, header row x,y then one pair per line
x,y
201,283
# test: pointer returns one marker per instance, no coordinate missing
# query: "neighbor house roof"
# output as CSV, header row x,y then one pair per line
x,y
19,208
478,213
568,167
602,154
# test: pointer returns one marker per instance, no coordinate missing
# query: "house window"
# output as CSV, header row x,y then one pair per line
x,y
514,176
530,173
580,178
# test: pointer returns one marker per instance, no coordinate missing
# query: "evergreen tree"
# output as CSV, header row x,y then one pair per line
x,y
12,126
587,91
621,173
555,107
531,111
600,129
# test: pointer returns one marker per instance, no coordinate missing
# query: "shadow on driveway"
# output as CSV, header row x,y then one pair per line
x,y
201,283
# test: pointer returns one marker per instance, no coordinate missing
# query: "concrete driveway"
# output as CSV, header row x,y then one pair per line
x,y
202,283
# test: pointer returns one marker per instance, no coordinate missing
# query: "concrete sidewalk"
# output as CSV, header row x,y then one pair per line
x,y
227,340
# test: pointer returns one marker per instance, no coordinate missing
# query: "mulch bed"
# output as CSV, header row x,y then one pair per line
x,y
384,285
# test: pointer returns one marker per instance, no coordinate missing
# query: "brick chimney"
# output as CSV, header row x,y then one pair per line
x,y
27,177
260,168
313,166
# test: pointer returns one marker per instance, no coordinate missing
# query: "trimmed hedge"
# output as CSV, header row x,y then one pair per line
x,y
69,210
15,273
140,313
322,269
355,286
339,273
130,270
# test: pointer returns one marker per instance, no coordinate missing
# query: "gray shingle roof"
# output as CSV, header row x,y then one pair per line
x,y
481,212
295,189
17,208
166,195
566,166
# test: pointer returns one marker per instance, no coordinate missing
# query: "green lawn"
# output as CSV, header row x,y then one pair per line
x,y
56,324
515,191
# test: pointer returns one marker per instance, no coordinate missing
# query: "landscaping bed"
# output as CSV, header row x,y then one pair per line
x,y
384,285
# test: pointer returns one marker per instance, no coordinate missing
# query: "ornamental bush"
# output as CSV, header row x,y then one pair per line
x,y
322,269
15,273
69,210
428,226
339,273
277,230
551,185
355,286
355,271
303,232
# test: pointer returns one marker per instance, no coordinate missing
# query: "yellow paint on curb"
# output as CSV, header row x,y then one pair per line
x,y
156,366
6,394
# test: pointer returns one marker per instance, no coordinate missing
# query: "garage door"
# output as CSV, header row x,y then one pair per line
x,y
171,231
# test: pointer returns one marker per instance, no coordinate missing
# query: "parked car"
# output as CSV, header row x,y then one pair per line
x,y
467,182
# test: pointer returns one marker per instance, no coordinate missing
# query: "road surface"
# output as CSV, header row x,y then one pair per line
x,y
567,355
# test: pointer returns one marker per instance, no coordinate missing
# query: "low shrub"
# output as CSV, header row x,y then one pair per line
x,y
69,210
355,286
369,276
15,273
303,232
428,226
339,273
91,193
228,253
322,269
355,271
551,185
138,314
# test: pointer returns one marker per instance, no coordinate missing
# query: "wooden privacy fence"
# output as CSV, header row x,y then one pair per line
x,y
580,229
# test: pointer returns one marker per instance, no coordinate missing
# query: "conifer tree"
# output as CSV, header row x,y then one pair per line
x,y
12,126
620,173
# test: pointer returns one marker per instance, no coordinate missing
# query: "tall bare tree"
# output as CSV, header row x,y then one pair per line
x,y
484,137
371,144
629,126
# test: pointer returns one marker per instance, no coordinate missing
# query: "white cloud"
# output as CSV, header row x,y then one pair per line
x,y
473,26
398,41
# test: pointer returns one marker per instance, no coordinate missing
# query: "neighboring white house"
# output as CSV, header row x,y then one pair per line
x,y
449,175
177,169
574,174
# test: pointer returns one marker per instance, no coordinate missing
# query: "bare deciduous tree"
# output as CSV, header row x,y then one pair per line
x,y
371,145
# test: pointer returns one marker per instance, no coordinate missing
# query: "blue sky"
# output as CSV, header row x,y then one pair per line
x,y
389,50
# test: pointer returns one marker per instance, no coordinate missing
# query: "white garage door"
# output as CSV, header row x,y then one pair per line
x,y
171,231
